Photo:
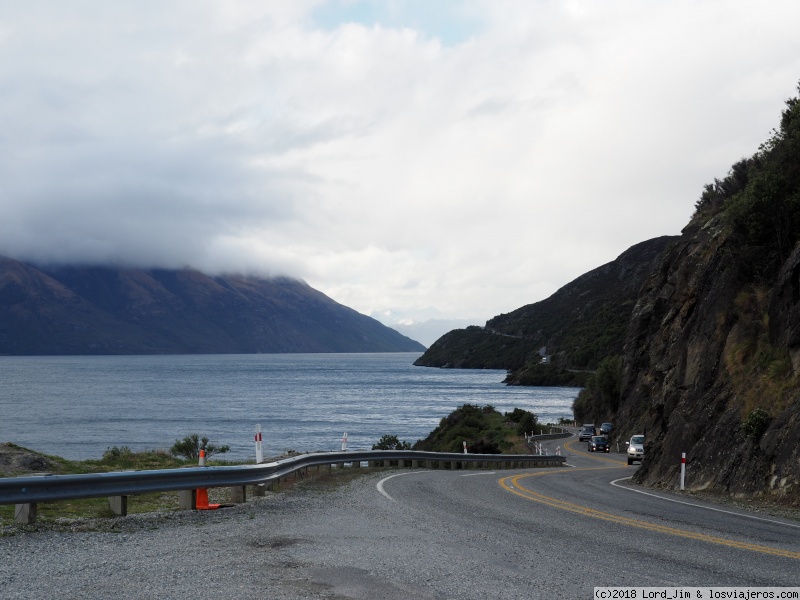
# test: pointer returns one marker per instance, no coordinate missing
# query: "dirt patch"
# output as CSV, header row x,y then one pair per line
x,y
15,461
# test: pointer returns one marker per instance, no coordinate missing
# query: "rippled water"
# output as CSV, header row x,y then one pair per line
x,y
77,407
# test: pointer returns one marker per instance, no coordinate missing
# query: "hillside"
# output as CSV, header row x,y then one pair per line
x,y
576,327
104,310
713,348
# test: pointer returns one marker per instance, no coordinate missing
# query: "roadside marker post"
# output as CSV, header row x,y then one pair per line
x,y
683,468
465,447
259,450
344,442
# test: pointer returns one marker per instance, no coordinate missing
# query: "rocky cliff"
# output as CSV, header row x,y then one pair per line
x,y
105,310
712,352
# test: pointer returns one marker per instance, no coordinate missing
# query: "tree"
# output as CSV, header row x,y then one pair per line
x,y
390,442
190,446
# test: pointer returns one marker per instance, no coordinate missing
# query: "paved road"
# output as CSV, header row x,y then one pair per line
x,y
573,523
539,533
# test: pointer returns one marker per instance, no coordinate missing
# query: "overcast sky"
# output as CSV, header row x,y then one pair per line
x,y
411,159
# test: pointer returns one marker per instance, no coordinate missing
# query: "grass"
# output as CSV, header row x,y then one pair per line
x,y
114,459
51,514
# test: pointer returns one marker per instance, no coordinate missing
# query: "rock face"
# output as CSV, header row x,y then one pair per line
x,y
104,310
712,354
707,344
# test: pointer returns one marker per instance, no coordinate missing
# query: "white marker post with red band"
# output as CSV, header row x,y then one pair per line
x,y
259,449
683,468
344,442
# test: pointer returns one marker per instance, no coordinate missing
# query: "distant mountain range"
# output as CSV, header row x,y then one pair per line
x,y
108,310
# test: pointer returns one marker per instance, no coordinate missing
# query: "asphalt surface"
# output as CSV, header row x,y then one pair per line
x,y
537,533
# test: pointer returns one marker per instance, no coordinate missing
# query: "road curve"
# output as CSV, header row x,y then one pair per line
x,y
536,533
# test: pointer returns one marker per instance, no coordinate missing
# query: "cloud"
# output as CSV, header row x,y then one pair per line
x,y
472,158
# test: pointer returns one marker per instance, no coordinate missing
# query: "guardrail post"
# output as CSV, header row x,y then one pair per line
x,y
187,500
238,494
118,505
259,490
25,513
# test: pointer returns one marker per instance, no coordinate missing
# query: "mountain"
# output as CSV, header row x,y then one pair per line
x,y
702,354
428,331
574,329
105,310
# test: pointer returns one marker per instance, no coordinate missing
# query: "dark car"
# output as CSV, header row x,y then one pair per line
x,y
605,428
587,431
599,443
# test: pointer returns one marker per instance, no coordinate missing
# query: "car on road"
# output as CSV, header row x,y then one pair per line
x,y
605,428
599,443
635,448
587,431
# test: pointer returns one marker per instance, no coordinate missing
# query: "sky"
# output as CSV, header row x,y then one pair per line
x,y
417,161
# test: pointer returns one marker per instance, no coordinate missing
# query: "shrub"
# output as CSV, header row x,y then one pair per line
x,y
390,442
756,424
190,446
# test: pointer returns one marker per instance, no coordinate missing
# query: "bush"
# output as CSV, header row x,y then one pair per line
x,y
756,424
190,446
390,442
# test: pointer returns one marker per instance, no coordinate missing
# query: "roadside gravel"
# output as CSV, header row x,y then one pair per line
x,y
280,546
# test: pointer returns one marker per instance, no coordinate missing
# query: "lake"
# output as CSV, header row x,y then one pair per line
x,y
79,406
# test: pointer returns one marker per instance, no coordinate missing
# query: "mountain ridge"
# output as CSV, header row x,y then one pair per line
x,y
574,328
109,310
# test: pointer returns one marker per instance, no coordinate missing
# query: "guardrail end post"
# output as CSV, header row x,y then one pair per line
x,y
187,500
25,513
118,505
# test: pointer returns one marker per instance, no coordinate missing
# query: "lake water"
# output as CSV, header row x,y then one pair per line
x,y
79,406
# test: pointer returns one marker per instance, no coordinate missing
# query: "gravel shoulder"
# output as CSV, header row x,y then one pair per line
x,y
326,537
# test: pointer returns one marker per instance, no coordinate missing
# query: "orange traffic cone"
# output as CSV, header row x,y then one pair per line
x,y
201,494
201,500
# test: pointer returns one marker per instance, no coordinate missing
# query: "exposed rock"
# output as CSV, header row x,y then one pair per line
x,y
683,382
16,461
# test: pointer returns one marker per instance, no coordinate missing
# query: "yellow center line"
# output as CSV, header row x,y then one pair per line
x,y
569,447
512,484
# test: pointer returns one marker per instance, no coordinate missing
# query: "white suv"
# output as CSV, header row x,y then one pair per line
x,y
635,449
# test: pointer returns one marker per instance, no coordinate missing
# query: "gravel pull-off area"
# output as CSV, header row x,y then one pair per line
x,y
284,545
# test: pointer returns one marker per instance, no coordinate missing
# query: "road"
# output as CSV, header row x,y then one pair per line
x,y
542,533
467,534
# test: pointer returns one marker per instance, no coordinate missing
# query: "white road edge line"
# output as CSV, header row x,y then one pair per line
x,y
728,512
379,485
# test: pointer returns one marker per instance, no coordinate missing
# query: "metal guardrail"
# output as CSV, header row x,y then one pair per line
x,y
549,436
49,488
